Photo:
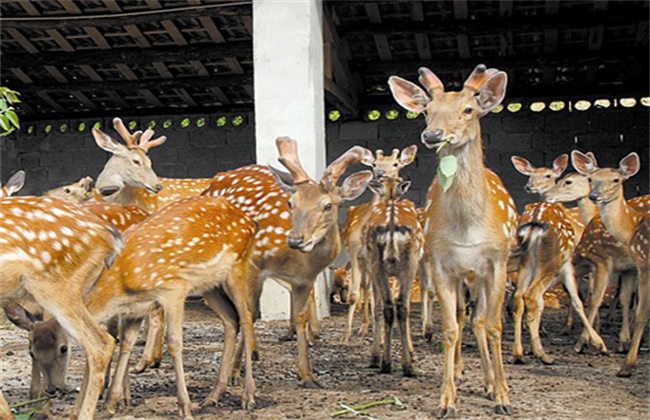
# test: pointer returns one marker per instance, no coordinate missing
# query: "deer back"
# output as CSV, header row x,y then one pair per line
x,y
559,238
121,217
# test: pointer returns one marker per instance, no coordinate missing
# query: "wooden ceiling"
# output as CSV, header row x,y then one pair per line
x,y
103,57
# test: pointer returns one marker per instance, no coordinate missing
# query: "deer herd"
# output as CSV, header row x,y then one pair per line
x,y
135,246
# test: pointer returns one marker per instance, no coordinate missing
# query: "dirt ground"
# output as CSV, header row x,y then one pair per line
x,y
576,386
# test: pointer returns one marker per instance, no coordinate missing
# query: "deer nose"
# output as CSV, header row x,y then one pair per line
x,y
159,187
294,243
528,188
430,138
594,196
380,173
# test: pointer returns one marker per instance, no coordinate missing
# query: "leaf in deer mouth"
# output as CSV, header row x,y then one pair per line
x,y
446,169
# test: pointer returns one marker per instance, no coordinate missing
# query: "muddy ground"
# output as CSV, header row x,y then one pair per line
x,y
576,386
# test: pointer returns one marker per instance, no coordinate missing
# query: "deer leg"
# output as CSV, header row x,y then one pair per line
x,y
523,281
291,332
568,279
627,284
353,296
495,296
300,297
403,311
152,353
534,300
479,327
366,308
378,315
599,280
640,322
120,382
5,411
383,289
459,364
314,322
427,303
226,312
447,290
174,308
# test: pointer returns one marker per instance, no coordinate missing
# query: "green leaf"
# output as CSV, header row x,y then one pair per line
x,y
13,98
4,123
445,182
3,105
448,165
23,416
13,117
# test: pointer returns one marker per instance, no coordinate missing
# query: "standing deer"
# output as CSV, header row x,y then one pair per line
x,y
298,234
393,238
626,225
468,228
200,246
52,252
598,253
385,168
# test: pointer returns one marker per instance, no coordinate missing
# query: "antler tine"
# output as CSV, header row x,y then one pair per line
x,y
395,153
379,153
119,126
479,76
429,80
288,150
337,168
146,143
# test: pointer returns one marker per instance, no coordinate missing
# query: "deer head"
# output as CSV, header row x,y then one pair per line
x,y
606,183
571,187
314,205
389,166
76,193
15,184
48,348
540,180
452,117
129,165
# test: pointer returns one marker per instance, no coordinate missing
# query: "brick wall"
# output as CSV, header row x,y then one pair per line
x,y
54,159
539,137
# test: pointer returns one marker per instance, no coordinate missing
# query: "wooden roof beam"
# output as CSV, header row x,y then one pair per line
x,y
460,9
21,40
372,10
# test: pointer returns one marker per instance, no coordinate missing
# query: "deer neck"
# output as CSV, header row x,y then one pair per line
x,y
587,209
617,218
130,196
466,200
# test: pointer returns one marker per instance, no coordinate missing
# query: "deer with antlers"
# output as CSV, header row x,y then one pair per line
x,y
385,168
52,253
298,234
628,226
393,238
598,255
469,228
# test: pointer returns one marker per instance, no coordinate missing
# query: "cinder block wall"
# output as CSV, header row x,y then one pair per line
x,y
539,137
57,158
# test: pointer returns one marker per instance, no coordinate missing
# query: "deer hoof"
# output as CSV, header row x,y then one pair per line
x,y
546,359
385,367
519,360
503,410
623,347
309,384
409,372
625,372
256,356
445,413
374,362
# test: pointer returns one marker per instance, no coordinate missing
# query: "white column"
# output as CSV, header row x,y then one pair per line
x,y
289,101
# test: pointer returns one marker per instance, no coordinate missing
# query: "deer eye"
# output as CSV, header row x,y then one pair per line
x,y
137,162
589,180
617,180
548,176
289,204
467,111
395,164
569,182
67,190
64,349
328,207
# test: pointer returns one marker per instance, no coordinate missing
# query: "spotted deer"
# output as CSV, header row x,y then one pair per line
x,y
298,234
52,251
470,227
385,168
76,193
598,255
13,185
196,246
628,226
393,239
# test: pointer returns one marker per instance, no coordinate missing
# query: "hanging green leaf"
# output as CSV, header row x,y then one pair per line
x,y
3,105
13,97
448,166
13,117
445,182
4,123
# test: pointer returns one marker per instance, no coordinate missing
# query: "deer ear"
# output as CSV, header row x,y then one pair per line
x,y
108,143
19,316
284,180
402,188
629,165
355,185
560,163
408,155
583,163
409,95
523,166
16,182
492,92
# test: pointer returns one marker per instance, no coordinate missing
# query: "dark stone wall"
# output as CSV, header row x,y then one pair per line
x,y
54,159
540,137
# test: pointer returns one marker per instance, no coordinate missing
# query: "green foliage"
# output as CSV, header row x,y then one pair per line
x,y
446,169
8,117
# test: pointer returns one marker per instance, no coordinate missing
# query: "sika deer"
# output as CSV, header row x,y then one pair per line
x,y
470,227
298,234
625,224
385,168
195,246
52,252
75,193
393,238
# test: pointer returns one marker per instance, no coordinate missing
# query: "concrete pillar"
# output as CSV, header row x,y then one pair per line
x,y
289,101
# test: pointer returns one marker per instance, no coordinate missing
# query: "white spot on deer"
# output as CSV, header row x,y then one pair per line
x,y
66,231
46,257
502,205
17,211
